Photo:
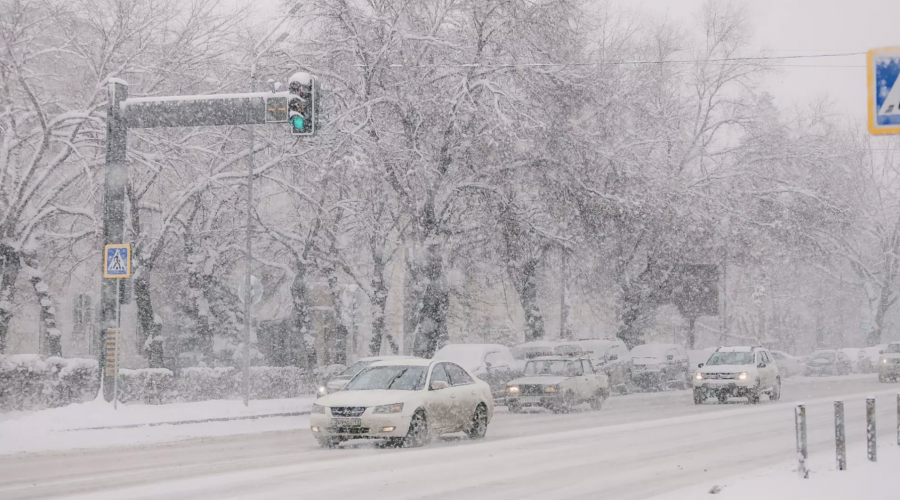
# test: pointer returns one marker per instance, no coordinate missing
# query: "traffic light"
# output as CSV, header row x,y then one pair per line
x,y
303,108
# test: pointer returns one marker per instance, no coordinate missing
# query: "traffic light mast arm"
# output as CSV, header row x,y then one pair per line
x,y
199,110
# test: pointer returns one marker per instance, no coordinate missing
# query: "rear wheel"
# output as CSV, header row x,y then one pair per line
x,y
478,427
775,395
597,401
418,431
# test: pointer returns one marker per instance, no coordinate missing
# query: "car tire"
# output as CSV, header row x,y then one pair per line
x,y
418,435
699,396
478,427
597,402
753,396
566,403
775,395
329,442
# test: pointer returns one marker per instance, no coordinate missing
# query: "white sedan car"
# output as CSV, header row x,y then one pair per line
x,y
404,401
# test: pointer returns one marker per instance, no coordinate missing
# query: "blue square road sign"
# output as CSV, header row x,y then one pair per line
x,y
117,261
883,67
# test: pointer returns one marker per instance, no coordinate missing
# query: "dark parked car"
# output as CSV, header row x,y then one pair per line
x,y
829,362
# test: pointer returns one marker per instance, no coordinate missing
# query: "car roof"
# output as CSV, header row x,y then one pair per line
x,y
539,343
385,358
738,348
404,361
555,358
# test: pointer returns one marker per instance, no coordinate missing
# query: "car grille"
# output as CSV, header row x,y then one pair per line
x,y
531,390
719,376
347,411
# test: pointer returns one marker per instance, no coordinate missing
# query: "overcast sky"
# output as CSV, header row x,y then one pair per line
x,y
804,27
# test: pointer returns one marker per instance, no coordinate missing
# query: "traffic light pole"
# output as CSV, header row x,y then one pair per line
x,y
254,108
115,178
248,300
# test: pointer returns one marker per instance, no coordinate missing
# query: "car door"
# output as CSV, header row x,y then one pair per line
x,y
591,382
438,406
464,396
771,369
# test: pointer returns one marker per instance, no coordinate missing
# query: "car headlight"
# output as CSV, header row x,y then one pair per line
x,y
513,389
698,376
742,376
550,388
392,408
318,409
323,390
884,360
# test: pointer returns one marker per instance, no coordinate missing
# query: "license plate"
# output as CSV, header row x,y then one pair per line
x,y
346,422
530,399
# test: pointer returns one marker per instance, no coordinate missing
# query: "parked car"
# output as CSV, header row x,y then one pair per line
x,y
530,350
660,366
788,365
828,362
406,402
855,354
493,363
744,371
557,383
869,362
611,357
889,363
338,381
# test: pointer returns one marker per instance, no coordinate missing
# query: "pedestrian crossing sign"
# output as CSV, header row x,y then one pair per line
x,y
883,66
117,261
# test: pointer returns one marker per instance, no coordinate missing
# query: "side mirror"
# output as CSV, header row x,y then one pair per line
x,y
612,357
761,365
487,365
700,365
670,357
437,385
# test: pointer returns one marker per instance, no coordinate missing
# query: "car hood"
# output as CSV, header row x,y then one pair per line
x,y
364,398
337,383
726,368
546,380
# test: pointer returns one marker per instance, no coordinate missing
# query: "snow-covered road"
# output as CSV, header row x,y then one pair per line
x,y
636,447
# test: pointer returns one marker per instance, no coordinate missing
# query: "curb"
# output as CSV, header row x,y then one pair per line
x,y
186,422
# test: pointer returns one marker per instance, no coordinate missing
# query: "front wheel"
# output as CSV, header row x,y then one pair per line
x,y
565,404
417,435
699,397
753,397
597,402
478,427
329,442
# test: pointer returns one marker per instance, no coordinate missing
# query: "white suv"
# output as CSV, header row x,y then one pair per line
x,y
744,372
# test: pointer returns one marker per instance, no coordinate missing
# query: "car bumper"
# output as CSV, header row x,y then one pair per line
x,y
542,401
736,388
370,426
821,370
889,369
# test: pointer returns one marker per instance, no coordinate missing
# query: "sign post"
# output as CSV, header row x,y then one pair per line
x,y
883,69
116,265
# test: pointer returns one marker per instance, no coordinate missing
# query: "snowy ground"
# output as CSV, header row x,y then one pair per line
x,y
637,446
73,426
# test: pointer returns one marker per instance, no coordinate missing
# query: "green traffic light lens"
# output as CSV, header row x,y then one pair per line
x,y
297,122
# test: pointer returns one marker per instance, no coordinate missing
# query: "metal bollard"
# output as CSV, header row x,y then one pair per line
x,y
898,419
870,430
840,442
800,423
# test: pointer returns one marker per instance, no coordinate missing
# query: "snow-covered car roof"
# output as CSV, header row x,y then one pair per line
x,y
403,361
555,358
538,343
737,348
384,358
652,349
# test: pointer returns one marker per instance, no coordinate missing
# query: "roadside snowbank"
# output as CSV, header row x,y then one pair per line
x,y
57,428
862,479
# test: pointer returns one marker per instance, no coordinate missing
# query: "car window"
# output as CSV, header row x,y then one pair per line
x,y
458,376
588,368
575,369
777,356
389,378
438,374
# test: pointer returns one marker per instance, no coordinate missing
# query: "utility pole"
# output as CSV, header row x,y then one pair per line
x,y
564,332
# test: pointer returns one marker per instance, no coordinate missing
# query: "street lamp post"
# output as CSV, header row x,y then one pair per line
x,y
248,301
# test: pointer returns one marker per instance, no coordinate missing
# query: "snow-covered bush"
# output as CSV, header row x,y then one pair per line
x,y
147,385
202,384
29,383
270,382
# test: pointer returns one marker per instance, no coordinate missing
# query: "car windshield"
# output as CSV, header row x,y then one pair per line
x,y
470,356
354,369
521,353
893,348
731,358
559,367
389,378
824,356
650,351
